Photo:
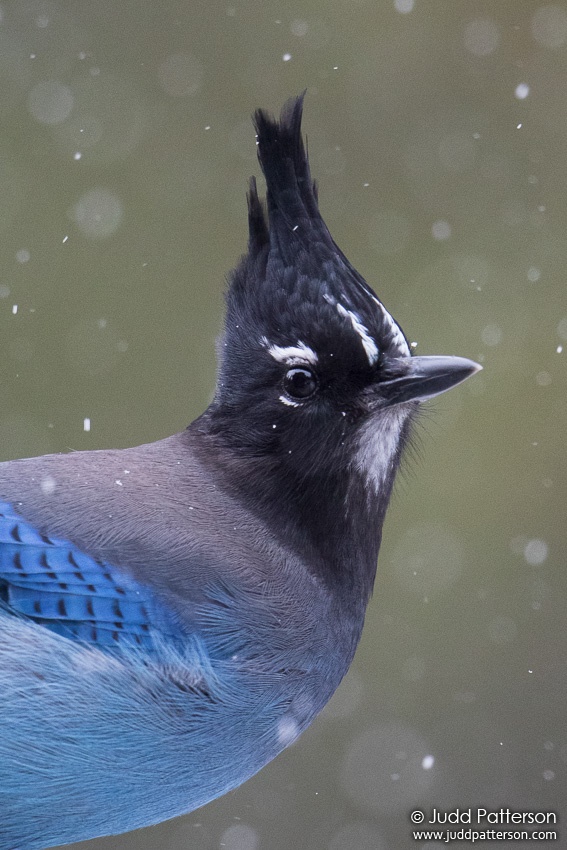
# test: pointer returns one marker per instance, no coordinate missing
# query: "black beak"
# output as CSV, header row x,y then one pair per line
x,y
420,378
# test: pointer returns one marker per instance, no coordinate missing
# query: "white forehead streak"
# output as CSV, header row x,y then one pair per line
x,y
397,335
291,354
368,343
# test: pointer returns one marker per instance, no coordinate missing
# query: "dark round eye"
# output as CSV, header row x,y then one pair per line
x,y
300,383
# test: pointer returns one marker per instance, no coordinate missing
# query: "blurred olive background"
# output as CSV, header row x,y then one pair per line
x,y
437,132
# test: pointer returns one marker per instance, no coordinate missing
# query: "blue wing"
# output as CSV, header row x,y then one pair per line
x,y
53,583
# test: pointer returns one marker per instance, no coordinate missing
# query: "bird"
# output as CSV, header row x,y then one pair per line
x,y
175,614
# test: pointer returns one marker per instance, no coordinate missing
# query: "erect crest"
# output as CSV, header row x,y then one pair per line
x,y
291,254
292,194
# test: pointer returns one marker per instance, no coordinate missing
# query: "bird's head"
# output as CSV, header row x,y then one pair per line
x,y
315,373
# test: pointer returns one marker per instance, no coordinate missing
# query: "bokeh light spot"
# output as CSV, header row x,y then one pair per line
x,y
240,836
481,37
535,552
181,75
441,230
98,213
521,91
404,7
491,335
50,102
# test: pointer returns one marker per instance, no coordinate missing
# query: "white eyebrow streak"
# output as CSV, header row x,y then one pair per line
x,y
291,354
368,343
398,337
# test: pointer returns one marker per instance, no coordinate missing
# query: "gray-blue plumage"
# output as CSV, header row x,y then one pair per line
x,y
173,615
183,716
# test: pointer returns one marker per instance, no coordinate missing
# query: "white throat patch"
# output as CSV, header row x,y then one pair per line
x,y
378,445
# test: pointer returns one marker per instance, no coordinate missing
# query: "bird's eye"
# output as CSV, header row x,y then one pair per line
x,y
300,383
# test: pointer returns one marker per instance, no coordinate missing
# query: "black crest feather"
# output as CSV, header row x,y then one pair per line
x,y
294,217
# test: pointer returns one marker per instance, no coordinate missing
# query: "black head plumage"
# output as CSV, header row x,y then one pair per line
x,y
294,281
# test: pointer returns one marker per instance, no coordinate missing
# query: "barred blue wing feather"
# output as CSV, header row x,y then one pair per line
x,y
54,583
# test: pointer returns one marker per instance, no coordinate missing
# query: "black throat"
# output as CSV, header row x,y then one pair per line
x,y
326,514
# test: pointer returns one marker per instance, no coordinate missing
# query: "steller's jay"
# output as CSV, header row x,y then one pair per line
x,y
173,615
